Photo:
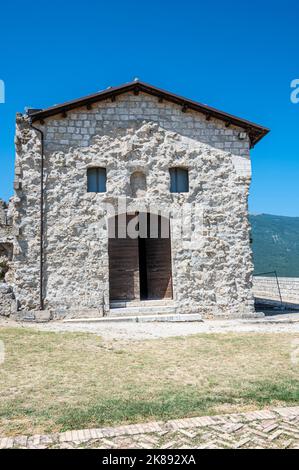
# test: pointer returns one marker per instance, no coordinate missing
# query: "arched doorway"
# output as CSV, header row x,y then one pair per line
x,y
139,257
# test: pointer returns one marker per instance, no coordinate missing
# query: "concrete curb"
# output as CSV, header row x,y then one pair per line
x,y
139,318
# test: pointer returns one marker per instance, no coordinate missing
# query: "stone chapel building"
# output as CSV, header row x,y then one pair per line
x,y
175,171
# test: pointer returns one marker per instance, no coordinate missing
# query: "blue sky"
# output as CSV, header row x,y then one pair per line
x,y
237,56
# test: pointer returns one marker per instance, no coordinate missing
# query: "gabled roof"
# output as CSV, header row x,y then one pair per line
x,y
255,131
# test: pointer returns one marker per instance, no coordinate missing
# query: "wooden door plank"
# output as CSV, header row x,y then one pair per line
x,y
123,264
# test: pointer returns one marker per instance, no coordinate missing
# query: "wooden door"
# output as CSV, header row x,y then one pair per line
x,y
158,266
123,264
139,267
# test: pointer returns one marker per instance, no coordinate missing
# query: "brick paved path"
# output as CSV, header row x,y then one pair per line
x,y
276,428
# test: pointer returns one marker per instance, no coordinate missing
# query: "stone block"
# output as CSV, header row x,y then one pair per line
x,y
17,185
42,316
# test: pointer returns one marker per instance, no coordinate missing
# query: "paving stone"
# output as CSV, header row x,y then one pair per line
x,y
21,441
276,435
271,427
226,431
169,445
6,443
233,427
187,433
242,443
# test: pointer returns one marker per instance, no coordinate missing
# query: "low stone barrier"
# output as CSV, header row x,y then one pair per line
x,y
266,288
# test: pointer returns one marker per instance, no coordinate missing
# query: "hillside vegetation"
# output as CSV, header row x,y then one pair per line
x,y
275,244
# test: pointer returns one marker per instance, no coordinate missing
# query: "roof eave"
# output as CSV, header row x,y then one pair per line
x,y
255,131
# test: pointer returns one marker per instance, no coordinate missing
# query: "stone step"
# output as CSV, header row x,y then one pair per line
x,y
141,303
139,318
84,313
141,310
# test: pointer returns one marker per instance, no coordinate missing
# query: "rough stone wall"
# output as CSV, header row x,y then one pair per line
x,y
25,214
6,250
132,134
7,304
2,212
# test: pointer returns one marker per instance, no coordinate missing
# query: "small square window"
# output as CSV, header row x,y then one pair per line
x,y
179,180
96,180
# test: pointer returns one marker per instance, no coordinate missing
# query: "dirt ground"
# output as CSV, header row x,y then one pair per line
x,y
275,323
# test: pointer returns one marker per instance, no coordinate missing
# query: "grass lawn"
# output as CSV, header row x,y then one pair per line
x,y
59,381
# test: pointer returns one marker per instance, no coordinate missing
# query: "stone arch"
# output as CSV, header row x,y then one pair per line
x,y
138,184
140,264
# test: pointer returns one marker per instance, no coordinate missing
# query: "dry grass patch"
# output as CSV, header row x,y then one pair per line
x,y
58,381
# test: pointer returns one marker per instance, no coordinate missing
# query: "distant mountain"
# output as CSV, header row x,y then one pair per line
x,y
275,244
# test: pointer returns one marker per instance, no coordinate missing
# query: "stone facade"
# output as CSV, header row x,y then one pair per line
x,y
137,139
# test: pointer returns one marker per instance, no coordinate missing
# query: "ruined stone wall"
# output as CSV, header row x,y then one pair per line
x,y
6,241
26,214
132,134
7,304
2,212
